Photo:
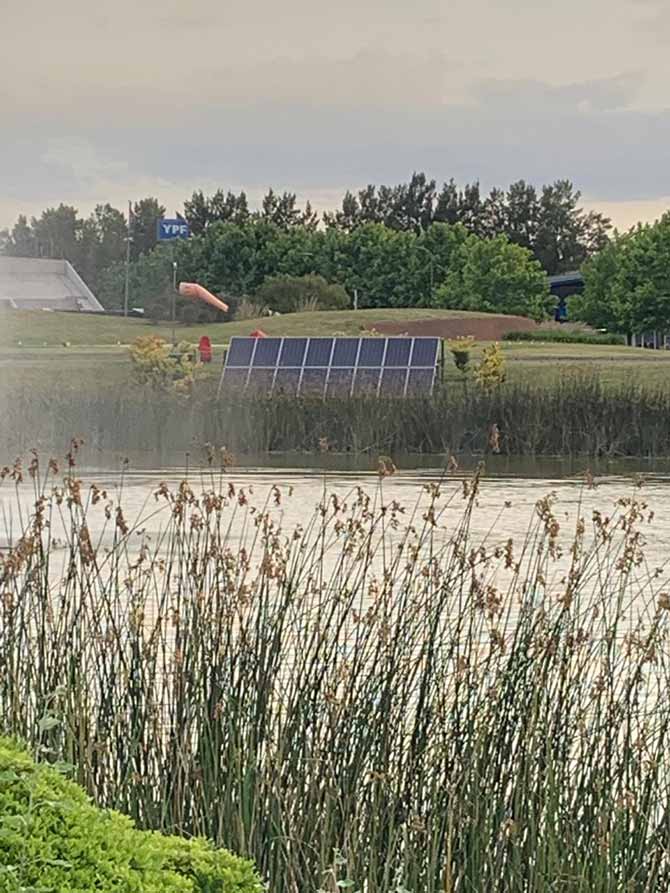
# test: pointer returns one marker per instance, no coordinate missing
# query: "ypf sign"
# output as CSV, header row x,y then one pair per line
x,y
172,229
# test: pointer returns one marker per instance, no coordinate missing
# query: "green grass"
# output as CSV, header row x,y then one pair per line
x,y
41,329
95,359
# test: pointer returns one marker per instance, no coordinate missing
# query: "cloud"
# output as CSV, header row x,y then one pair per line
x,y
107,102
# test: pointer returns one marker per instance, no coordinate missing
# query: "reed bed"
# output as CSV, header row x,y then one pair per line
x,y
578,416
373,701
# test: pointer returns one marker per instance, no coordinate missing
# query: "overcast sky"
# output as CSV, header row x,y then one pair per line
x,y
106,102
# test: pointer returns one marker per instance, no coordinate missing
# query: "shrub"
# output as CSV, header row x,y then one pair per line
x,y
248,309
490,373
52,838
565,337
460,349
289,294
162,367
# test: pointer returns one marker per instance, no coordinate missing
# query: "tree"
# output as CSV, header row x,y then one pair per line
x,y
376,261
521,217
201,211
144,226
566,234
280,209
57,233
596,306
21,242
435,251
495,276
639,284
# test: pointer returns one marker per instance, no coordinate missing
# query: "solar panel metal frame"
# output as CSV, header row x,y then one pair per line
x,y
355,367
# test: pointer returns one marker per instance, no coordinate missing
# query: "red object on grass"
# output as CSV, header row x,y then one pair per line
x,y
205,348
258,333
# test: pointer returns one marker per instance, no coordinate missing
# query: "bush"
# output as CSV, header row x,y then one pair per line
x,y
159,365
53,839
460,349
561,336
290,294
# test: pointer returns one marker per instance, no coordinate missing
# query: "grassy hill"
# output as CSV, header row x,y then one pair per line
x,y
97,351
43,329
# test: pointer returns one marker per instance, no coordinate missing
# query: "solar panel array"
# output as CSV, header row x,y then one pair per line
x,y
331,367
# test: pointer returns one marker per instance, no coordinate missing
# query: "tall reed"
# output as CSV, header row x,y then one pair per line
x,y
578,416
374,700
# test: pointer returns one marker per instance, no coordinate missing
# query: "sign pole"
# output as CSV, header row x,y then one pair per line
x,y
174,296
127,284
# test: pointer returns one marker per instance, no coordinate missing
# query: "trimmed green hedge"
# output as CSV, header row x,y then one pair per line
x,y
562,336
53,840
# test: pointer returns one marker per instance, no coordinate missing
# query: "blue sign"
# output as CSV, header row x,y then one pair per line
x,y
173,229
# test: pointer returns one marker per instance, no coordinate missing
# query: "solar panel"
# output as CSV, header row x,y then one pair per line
x,y
319,351
293,352
260,382
240,351
393,383
267,351
366,382
420,382
424,352
372,352
397,352
313,382
345,352
287,382
339,382
334,367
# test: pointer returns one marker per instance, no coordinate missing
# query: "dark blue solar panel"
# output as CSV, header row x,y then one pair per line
x,y
420,382
366,382
331,366
372,351
318,352
292,352
260,382
346,351
235,379
313,382
267,351
425,352
240,351
393,383
397,352
339,382
286,382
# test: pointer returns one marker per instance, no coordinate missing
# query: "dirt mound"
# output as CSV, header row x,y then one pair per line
x,y
482,328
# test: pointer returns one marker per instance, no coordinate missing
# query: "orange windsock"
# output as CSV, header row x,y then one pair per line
x,y
198,293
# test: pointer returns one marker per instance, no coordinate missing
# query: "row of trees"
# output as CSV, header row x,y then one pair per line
x,y
549,222
442,265
91,244
627,284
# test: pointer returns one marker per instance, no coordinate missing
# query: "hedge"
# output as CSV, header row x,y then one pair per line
x,y
54,840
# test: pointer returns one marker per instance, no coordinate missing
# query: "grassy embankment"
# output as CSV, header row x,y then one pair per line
x,y
97,353
374,701
559,399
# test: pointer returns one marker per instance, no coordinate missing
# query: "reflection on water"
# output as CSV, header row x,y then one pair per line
x,y
310,463
509,491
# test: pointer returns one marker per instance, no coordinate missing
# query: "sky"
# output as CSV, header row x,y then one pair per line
x,y
108,102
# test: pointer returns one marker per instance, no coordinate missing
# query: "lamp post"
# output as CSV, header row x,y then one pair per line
x,y
433,263
174,296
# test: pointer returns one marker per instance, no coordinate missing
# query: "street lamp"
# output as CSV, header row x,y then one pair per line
x,y
433,264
